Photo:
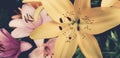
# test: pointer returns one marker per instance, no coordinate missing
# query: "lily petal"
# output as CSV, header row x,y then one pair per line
x,y
65,48
98,28
100,20
24,46
45,16
108,3
47,30
37,53
89,46
37,12
39,42
60,9
17,23
117,4
81,5
21,32
95,15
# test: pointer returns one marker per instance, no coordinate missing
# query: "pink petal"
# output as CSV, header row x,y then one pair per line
x,y
39,42
50,47
45,16
37,53
17,23
21,32
4,34
9,47
27,9
18,16
25,46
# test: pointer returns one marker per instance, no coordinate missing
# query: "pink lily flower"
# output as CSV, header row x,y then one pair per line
x,y
10,47
45,50
26,24
49,47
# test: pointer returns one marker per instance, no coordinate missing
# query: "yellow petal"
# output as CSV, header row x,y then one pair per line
x,y
57,9
117,4
89,46
107,3
95,15
37,13
64,47
48,30
100,20
81,5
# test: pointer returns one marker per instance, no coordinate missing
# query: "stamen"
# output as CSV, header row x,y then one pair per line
x,y
60,27
30,16
27,15
47,14
61,21
25,19
78,21
30,20
52,53
69,18
70,38
78,28
46,48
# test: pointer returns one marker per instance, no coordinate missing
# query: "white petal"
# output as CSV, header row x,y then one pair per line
x,y
17,23
20,32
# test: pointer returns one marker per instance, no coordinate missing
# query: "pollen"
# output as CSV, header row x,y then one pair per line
x,y
60,27
78,21
78,28
61,21
69,18
70,38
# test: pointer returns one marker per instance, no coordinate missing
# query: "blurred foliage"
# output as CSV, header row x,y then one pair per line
x,y
7,9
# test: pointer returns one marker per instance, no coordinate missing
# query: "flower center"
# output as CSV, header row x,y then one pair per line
x,y
73,25
28,18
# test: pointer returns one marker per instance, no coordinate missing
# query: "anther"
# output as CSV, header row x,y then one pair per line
x,y
78,21
70,38
47,14
78,28
25,19
61,21
30,16
69,18
60,27
27,15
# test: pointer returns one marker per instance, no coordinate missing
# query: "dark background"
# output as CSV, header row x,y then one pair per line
x,y
110,46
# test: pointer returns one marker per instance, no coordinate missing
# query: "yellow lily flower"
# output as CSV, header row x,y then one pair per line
x,y
110,3
75,25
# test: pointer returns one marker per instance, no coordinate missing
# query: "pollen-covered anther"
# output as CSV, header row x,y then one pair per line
x,y
78,28
78,21
25,19
69,18
60,27
61,21
30,16
70,38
